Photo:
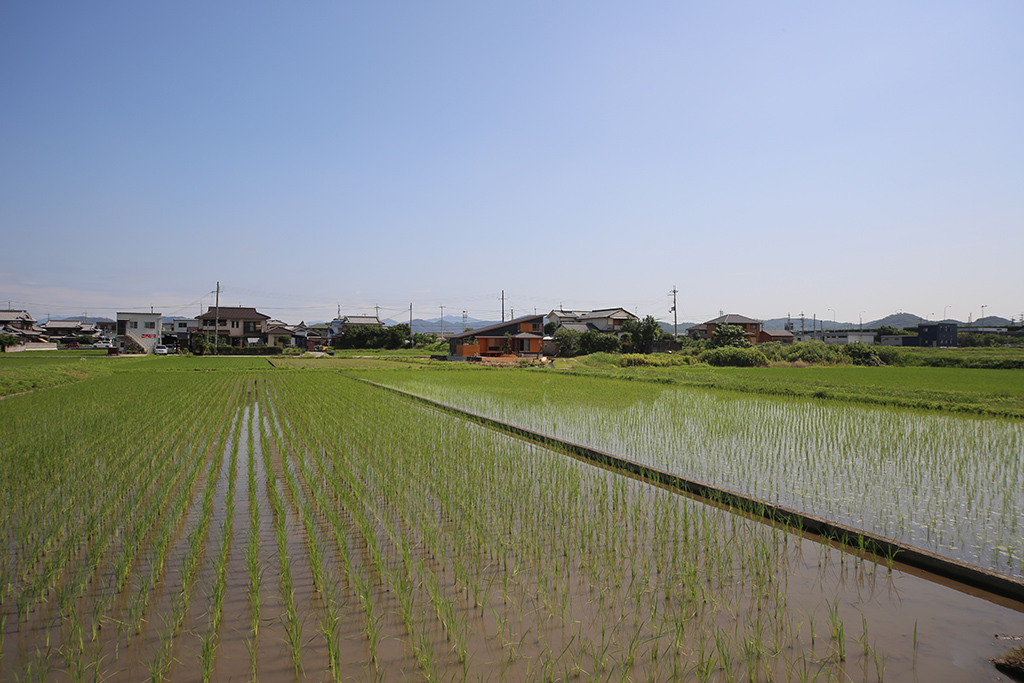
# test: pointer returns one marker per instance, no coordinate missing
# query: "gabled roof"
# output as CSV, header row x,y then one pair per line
x,y
233,313
497,326
578,327
279,330
15,316
63,324
361,320
777,333
568,314
733,319
616,313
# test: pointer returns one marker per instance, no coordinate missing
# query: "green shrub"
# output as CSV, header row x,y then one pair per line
x,y
732,356
659,360
249,350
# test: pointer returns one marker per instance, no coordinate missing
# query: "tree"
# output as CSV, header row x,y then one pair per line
x,y
642,333
550,328
568,342
7,340
729,335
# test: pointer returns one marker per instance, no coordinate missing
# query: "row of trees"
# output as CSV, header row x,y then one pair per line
x,y
638,336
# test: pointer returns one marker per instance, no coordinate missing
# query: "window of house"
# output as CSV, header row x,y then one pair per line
x,y
182,326
223,323
150,326
207,323
234,323
134,324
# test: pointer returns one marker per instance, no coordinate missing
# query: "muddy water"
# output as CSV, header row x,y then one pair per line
x,y
598,590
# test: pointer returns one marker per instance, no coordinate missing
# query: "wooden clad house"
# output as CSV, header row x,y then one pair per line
x,y
520,337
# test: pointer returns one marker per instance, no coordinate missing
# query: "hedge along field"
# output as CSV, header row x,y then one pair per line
x,y
948,484
296,525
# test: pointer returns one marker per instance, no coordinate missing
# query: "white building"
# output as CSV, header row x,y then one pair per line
x,y
140,330
837,337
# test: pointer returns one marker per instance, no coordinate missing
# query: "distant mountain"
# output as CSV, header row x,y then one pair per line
x,y
683,326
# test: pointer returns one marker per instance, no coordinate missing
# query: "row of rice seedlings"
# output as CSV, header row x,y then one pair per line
x,y
160,662
914,477
323,503
622,585
216,609
252,548
107,544
293,625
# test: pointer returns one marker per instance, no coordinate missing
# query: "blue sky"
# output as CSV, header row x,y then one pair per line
x,y
766,158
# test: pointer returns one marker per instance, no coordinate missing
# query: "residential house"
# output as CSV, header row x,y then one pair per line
x,y
317,335
604,320
279,334
64,330
138,332
179,331
234,325
20,320
20,324
751,328
781,336
343,324
937,334
521,337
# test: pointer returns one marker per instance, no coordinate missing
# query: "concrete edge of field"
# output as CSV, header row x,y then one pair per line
x,y
887,550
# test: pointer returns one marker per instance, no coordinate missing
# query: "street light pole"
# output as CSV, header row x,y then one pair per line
x,y
944,309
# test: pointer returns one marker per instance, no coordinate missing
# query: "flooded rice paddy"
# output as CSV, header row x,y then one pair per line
x,y
292,526
951,485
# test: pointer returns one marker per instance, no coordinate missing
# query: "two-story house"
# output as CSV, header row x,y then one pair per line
x,y
234,325
138,332
604,320
751,328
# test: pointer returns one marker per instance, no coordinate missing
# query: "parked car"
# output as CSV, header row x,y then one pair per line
x,y
103,345
73,345
160,350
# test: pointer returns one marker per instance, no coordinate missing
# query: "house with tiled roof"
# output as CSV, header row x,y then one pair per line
x,y
234,325
343,324
751,328
17,319
604,320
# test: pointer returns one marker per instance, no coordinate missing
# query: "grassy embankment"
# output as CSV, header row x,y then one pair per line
x,y
29,371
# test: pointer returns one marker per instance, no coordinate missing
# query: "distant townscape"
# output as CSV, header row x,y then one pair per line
x,y
561,331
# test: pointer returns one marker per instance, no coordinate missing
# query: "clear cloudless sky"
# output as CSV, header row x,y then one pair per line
x,y
837,159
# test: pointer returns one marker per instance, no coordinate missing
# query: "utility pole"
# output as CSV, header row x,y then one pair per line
x,y
377,309
442,322
675,314
216,321
410,324
463,320
503,305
